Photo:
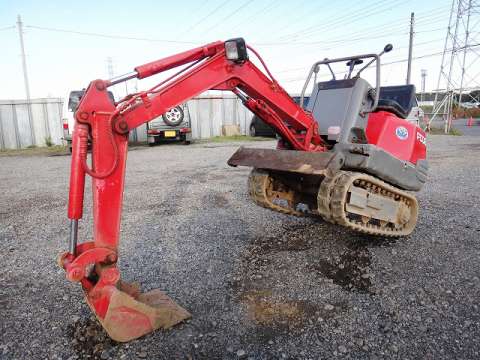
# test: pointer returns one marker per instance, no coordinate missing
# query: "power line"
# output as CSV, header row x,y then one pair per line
x,y
229,15
336,42
302,16
469,47
343,41
342,19
377,28
110,36
205,17
313,28
397,48
202,5
270,5
7,27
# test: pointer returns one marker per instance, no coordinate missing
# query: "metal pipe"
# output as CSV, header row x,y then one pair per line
x,y
240,95
72,243
302,95
331,71
122,78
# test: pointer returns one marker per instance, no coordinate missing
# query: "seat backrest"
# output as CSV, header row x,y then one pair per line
x,y
403,95
341,103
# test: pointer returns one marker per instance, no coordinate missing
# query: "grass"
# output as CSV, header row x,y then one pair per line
x,y
48,141
222,139
441,131
53,150
427,109
36,151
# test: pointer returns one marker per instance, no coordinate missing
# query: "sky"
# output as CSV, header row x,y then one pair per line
x,y
68,44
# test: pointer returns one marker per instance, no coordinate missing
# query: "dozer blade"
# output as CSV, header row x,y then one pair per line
x,y
131,314
284,160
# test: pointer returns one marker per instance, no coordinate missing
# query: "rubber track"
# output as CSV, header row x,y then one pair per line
x,y
259,183
332,197
333,193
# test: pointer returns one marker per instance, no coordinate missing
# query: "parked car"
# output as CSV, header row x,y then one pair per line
x,y
171,126
259,128
416,115
470,105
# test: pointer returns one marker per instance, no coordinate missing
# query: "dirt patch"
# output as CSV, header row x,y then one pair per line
x,y
258,257
271,315
90,341
291,314
349,270
165,208
290,240
220,200
268,309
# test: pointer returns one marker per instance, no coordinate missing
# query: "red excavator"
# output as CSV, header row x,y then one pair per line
x,y
349,157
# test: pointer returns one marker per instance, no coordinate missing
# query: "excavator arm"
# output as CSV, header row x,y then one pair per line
x,y
124,312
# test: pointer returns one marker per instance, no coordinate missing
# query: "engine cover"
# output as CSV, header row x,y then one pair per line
x,y
398,137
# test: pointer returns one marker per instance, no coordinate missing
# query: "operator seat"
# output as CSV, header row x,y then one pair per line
x,y
398,100
340,103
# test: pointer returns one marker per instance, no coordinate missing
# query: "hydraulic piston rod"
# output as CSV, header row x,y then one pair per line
x,y
72,243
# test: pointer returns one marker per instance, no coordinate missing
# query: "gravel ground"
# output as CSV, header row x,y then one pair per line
x,y
260,285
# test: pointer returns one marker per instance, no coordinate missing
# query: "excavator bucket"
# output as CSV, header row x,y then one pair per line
x,y
131,314
124,312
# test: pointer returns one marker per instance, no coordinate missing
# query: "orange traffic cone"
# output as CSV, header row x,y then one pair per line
x,y
426,122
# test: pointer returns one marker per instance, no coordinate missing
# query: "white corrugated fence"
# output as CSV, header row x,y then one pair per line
x,y
18,129
25,124
208,114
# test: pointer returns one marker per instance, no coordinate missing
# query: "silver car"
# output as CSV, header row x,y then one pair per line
x,y
171,126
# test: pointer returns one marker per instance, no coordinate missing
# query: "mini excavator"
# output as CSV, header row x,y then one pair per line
x,y
349,157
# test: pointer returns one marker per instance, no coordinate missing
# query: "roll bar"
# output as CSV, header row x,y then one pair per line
x,y
374,58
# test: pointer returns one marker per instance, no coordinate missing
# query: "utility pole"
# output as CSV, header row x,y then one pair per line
x,y
110,71
24,60
25,77
423,73
410,47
